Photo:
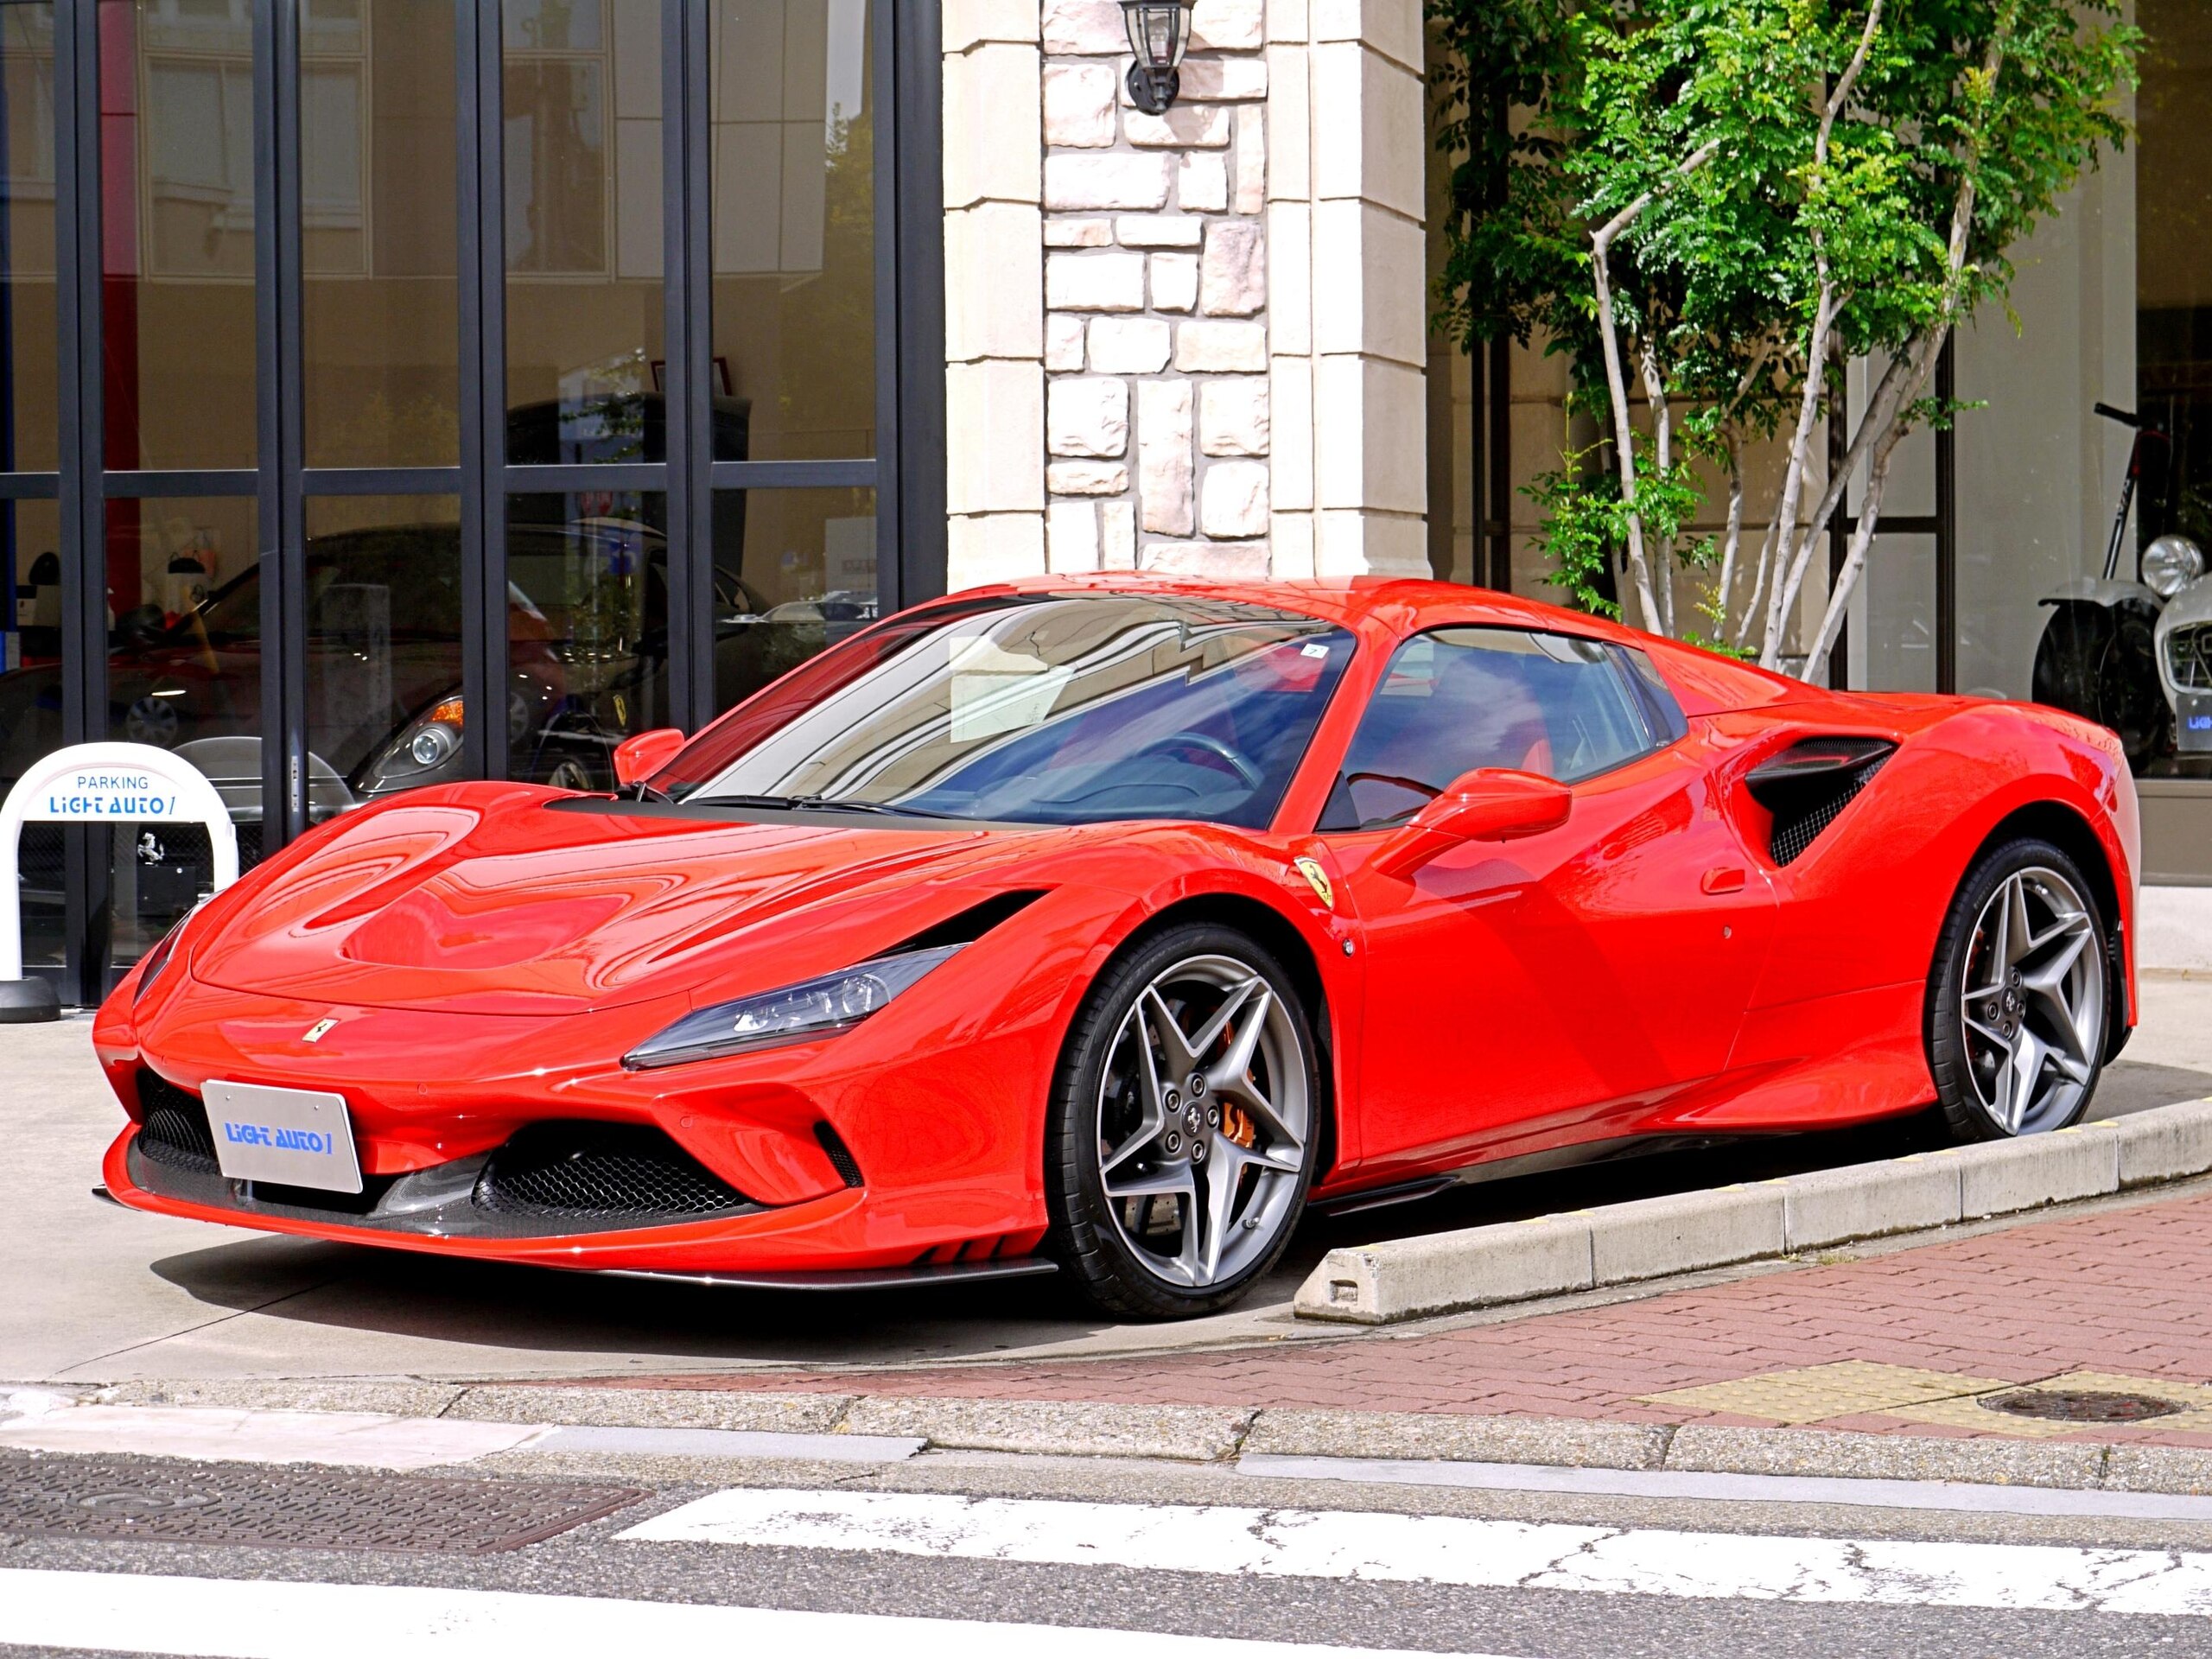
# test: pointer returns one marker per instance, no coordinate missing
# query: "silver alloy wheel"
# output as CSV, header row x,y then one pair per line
x,y
1203,1120
2033,1001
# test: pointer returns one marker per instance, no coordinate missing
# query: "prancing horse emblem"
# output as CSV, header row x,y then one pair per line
x,y
317,1031
1318,879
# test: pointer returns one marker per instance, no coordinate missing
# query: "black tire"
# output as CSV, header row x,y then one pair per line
x,y
1093,1237
1969,1056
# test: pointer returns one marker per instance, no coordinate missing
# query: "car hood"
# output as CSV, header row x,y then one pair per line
x,y
517,899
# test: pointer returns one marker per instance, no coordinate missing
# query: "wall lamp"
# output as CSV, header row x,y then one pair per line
x,y
1159,31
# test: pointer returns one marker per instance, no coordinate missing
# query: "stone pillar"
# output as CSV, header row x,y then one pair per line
x,y
1155,298
1193,342
1348,353
993,292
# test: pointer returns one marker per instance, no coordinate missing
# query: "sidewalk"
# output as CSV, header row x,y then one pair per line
x,y
2113,1301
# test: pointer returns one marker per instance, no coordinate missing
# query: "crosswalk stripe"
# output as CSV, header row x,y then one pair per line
x,y
240,1618
1450,1549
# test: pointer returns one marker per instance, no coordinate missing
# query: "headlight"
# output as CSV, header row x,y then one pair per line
x,y
813,1008
2170,563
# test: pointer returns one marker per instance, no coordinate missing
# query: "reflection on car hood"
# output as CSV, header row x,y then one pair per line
x,y
493,898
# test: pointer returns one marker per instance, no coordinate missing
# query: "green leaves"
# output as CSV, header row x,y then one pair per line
x,y
1966,122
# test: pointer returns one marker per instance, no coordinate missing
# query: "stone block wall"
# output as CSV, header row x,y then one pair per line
x,y
1166,346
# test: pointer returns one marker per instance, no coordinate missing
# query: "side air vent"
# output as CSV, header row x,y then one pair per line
x,y
174,1132
1809,783
602,1172
840,1156
966,926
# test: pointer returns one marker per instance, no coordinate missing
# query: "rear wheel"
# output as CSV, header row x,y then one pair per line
x,y
1182,1137
2019,1001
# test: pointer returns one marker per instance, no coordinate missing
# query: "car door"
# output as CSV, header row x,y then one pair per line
x,y
1558,986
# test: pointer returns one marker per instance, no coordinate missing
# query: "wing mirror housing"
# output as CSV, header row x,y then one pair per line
x,y
1490,803
637,759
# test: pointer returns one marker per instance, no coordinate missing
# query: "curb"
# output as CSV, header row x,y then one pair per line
x,y
1654,1238
1218,1436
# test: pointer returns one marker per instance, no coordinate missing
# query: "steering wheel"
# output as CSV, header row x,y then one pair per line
x,y
1245,771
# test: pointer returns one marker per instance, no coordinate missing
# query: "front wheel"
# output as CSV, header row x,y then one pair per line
x,y
1182,1139
2020,998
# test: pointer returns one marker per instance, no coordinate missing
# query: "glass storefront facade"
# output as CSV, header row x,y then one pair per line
x,y
1995,536
398,391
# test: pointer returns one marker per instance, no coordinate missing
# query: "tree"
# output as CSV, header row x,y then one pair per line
x,y
1713,206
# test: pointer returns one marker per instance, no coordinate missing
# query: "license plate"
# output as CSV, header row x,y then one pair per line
x,y
294,1137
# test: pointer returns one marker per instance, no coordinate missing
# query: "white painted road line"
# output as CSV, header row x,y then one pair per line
x,y
258,1620
1944,1494
1450,1549
207,1433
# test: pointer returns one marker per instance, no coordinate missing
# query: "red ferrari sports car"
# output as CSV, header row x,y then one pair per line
x,y
1102,923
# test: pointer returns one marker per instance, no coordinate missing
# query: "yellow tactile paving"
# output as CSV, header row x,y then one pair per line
x,y
2159,1387
1973,1414
1810,1393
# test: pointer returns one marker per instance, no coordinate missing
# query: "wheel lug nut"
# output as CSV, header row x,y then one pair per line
x,y
1174,1100
1198,1151
1174,1143
1197,1084
1213,1117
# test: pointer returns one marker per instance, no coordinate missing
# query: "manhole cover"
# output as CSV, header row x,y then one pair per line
x,y
293,1509
2082,1405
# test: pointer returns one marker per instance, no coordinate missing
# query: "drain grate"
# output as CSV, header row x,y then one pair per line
x,y
2082,1405
290,1508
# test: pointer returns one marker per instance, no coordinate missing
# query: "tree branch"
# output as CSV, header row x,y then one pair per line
x,y
1601,243
1825,309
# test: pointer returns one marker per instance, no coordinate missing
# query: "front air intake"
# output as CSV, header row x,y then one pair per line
x,y
174,1129
602,1172
1809,783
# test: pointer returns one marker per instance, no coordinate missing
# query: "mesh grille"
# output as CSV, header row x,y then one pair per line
x,y
610,1170
1793,834
2189,657
175,1129
841,1155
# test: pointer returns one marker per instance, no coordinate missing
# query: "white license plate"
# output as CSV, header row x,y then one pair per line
x,y
294,1137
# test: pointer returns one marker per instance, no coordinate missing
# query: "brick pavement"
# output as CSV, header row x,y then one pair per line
x,y
2124,1292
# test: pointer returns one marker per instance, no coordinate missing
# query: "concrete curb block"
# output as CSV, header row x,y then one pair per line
x,y
1713,1450
1219,1434
397,1398
1652,1238
590,1407
1558,1442
1089,1429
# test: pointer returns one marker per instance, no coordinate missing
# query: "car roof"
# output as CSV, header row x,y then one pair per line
x,y
1400,604
1703,680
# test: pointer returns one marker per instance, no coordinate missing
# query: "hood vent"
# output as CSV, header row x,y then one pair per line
x,y
965,927
1809,783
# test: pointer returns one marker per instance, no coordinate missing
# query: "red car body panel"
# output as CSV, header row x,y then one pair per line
x,y
489,951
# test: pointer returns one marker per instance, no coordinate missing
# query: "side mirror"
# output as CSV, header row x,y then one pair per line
x,y
1490,803
637,758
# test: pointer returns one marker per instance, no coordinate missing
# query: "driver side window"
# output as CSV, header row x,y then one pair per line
x,y
1455,699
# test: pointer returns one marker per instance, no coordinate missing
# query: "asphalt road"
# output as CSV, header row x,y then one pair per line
x,y
89,1292
920,1582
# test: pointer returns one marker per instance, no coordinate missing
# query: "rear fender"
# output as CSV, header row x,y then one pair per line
x,y
1862,906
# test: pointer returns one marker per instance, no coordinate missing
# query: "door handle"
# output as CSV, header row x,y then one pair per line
x,y
1728,879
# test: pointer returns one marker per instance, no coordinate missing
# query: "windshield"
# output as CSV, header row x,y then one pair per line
x,y
1063,709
